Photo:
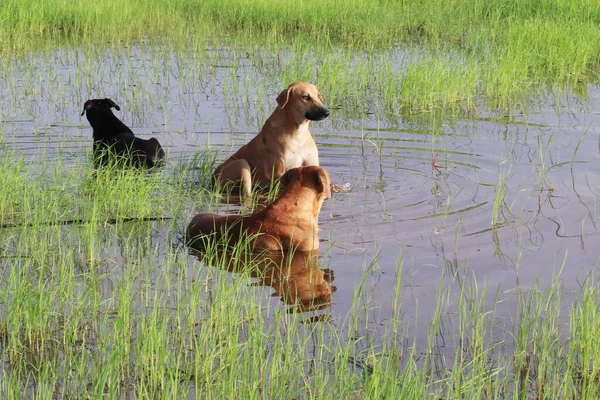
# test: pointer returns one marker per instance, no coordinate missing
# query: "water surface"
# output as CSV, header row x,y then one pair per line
x,y
438,221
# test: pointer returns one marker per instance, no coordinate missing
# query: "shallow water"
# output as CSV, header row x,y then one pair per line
x,y
438,220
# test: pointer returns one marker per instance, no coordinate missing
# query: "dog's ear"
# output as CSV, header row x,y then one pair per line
x,y
285,179
284,96
86,106
112,104
321,181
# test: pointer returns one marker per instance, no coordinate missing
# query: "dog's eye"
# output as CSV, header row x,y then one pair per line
x,y
306,97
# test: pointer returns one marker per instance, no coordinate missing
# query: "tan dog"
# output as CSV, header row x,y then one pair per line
x,y
290,222
283,143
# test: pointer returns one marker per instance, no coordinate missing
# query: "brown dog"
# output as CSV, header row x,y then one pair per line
x,y
283,143
290,222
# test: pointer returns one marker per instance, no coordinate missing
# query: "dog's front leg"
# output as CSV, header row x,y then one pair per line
x,y
237,172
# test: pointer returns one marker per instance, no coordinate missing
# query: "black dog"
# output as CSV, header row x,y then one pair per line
x,y
113,138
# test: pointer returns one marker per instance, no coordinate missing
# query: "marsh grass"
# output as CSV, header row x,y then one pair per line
x,y
113,305
459,56
501,189
119,309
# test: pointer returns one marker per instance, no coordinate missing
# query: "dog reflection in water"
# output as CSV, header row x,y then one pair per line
x,y
296,278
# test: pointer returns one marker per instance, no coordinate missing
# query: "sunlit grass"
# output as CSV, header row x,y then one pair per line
x,y
103,307
98,296
460,55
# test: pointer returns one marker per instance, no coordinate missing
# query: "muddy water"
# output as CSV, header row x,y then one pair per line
x,y
438,220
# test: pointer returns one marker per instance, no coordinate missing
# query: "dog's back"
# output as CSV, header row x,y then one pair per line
x,y
289,222
148,153
206,229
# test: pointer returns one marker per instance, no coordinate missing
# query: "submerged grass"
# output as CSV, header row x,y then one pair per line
x,y
459,55
122,309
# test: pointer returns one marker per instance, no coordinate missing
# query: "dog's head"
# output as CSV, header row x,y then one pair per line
x,y
99,105
313,177
304,100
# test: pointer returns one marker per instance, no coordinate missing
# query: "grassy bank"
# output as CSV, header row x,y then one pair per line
x,y
456,53
107,307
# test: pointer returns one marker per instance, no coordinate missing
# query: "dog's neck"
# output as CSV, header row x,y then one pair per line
x,y
106,124
286,125
302,203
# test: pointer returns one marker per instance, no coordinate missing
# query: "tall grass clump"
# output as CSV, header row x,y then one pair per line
x,y
431,82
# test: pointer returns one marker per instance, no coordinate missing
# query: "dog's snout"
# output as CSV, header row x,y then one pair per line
x,y
317,114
